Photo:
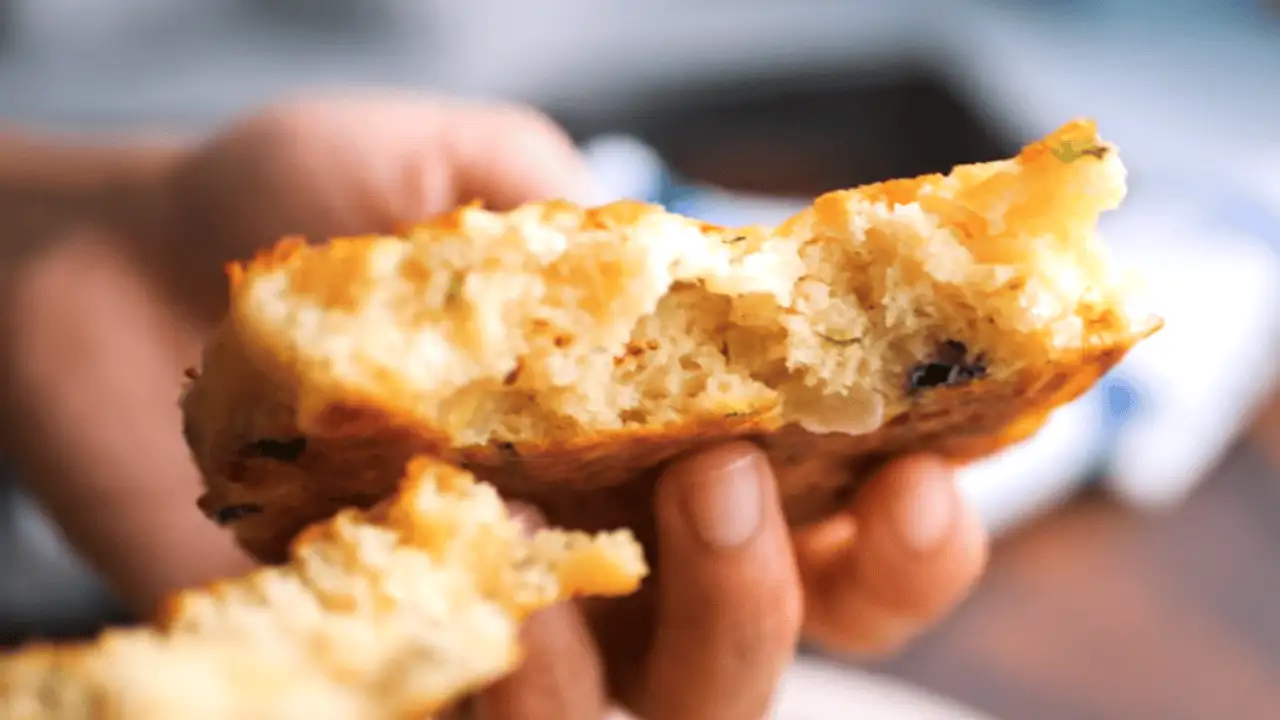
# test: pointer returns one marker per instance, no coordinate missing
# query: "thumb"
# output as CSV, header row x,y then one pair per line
x,y
729,600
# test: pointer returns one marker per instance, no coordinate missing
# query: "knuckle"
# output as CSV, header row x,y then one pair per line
x,y
530,127
283,120
292,127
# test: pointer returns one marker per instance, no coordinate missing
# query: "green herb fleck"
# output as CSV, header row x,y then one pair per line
x,y
1072,150
842,342
453,293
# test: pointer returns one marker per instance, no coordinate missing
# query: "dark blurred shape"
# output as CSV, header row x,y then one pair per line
x,y
7,21
46,592
808,134
333,17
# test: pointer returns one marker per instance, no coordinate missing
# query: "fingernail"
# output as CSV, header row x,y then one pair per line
x,y
723,496
926,518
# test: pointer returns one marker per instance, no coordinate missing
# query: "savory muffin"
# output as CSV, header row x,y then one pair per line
x,y
566,354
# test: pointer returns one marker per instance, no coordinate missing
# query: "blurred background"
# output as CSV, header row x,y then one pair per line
x,y
1137,564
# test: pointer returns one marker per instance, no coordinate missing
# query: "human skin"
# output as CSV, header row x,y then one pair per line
x,y
110,276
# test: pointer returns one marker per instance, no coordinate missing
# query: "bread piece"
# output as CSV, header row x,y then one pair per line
x,y
566,354
388,613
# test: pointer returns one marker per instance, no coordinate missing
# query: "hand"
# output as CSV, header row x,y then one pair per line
x,y
735,592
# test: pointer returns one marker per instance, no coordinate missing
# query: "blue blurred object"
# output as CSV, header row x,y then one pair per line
x,y
1118,400
1192,14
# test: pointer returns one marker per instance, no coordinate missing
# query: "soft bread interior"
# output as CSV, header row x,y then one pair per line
x,y
385,613
549,323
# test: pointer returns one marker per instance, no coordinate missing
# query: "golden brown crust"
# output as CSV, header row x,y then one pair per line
x,y
392,612
356,438
606,481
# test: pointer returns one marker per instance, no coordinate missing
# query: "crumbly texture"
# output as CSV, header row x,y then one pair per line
x,y
565,354
389,613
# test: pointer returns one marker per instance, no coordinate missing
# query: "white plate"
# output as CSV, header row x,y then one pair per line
x,y
818,690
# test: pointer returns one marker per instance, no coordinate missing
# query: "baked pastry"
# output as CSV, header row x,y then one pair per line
x,y
566,354
392,612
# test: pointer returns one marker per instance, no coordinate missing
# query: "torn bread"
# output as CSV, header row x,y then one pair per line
x,y
565,354
389,613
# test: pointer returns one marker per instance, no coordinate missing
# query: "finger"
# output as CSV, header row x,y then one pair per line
x,y
910,550
560,677
405,157
92,382
362,163
507,155
409,157
729,600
